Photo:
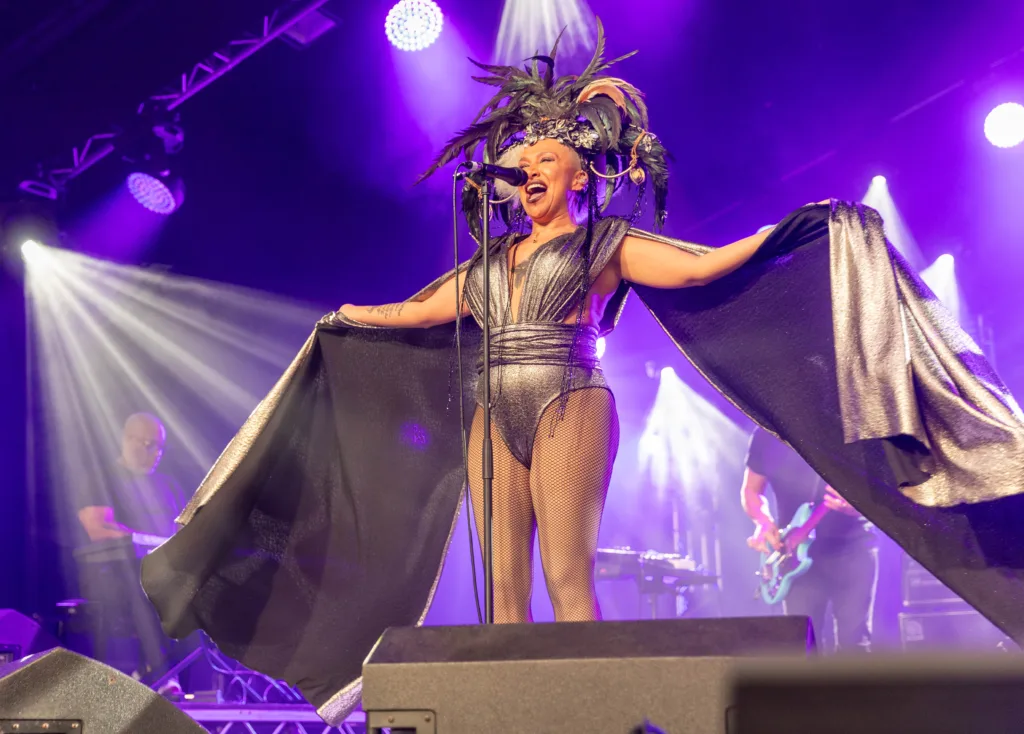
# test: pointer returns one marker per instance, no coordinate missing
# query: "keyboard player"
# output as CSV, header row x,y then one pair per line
x,y
136,498
121,516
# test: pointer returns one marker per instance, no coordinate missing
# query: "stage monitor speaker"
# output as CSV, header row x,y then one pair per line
x,y
69,692
882,694
21,637
592,677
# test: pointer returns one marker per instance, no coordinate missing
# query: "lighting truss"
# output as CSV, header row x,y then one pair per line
x,y
297,718
50,182
245,697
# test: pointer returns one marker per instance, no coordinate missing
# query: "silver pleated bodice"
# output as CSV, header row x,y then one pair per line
x,y
530,354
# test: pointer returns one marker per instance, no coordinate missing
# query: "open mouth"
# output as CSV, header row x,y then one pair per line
x,y
535,191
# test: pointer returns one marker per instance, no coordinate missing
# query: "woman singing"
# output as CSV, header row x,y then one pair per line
x,y
328,517
554,438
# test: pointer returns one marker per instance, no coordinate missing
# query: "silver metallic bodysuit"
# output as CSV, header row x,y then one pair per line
x,y
529,354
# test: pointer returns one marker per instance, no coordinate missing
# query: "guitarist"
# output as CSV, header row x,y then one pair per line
x,y
844,572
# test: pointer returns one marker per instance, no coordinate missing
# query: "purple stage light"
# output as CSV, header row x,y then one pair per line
x,y
412,25
1004,125
152,193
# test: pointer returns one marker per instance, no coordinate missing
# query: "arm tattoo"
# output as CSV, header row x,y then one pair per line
x,y
388,311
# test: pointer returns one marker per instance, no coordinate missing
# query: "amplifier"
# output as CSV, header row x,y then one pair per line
x,y
594,677
21,636
881,694
961,628
921,588
59,692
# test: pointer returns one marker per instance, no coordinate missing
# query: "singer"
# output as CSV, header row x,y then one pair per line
x,y
555,430
328,517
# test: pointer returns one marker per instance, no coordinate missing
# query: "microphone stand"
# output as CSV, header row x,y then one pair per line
x,y
487,465
488,456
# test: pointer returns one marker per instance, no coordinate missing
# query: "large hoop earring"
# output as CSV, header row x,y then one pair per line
x,y
636,174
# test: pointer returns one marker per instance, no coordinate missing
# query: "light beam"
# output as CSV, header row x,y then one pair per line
x,y
686,441
878,197
107,341
529,27
940,276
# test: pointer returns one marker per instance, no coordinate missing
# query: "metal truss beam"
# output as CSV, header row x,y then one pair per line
x,y
50,182
229,718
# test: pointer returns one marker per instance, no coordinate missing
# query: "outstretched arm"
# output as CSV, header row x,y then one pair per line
x,y
438,308
658,265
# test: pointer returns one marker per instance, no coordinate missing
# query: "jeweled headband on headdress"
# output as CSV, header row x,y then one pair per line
x,y
602,118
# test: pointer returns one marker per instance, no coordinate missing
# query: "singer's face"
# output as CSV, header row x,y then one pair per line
x,y
553,171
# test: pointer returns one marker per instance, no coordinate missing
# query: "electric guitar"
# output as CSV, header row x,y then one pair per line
x,y
780,568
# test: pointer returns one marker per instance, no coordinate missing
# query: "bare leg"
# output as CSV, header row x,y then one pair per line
x,y
512,524
572,465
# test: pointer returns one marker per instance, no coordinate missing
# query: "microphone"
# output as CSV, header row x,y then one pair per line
x,y
512,176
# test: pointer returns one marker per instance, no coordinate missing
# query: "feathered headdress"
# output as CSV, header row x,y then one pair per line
x,y
603,118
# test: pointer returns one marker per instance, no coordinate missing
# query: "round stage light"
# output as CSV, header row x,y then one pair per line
x,y
152,193
878,180
31,249
601,346
1004,125
412,25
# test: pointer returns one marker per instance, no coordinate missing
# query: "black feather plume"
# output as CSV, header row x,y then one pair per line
x,y
612,108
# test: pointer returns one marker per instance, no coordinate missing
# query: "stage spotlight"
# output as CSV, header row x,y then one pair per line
x,y
1004,125
152,175
159,194
31,250
601,346
412,25
879,180
945,261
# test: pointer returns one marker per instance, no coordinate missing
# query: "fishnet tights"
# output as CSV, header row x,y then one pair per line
x,y
562,495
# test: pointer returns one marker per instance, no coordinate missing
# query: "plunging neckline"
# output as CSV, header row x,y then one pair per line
x,y
526,266
511,268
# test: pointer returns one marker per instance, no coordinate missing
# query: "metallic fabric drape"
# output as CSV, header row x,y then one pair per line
x,y
328,516
907,368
